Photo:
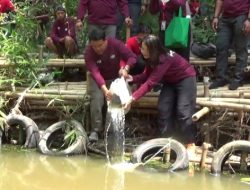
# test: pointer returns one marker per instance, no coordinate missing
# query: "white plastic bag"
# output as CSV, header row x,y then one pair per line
x,y
120,88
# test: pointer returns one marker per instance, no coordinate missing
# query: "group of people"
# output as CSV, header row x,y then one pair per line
x,y
145,60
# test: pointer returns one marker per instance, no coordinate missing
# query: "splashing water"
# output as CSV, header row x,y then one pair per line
x,y
115,121
114,134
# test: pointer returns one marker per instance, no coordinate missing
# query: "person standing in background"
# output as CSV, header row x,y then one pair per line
x,y
167,9
136,9
102,15
231,21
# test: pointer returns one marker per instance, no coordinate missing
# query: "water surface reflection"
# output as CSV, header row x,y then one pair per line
x,y
33,171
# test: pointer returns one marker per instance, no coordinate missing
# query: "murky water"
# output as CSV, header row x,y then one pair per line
x,y
33,171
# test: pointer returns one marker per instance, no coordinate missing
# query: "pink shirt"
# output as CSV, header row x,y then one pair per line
x,y
6,5
134,45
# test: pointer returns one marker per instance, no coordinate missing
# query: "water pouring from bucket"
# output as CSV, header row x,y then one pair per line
x,y
115,121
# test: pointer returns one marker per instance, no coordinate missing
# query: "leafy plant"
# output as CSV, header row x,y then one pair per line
x,y
201,23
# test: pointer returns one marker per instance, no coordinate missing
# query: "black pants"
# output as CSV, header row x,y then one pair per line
x,y
139,66
177,103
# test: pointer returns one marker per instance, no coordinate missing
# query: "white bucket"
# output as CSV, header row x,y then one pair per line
x,y
121,90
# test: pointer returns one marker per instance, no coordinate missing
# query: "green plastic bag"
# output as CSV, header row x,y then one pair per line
x,y
176,34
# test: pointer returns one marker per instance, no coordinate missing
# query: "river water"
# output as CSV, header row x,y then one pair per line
x,y
33,171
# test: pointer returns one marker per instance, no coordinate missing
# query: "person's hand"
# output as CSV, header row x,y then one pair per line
x,y
79,24
128,21
129,78
123,73
215,22
143,9
127,105
61,40
246,27
108,95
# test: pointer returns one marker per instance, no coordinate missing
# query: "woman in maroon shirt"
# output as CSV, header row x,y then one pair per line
x,y
178,95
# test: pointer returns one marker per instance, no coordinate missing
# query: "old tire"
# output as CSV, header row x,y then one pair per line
x,y
77,147
222,154
152,146
31,129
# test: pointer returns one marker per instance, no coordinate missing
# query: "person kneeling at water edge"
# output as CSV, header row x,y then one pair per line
x,y
178,95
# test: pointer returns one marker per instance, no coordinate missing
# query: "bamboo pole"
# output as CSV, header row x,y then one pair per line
x,y
46,102
41,96
224,105
200,113
55,92
66,63
229,100
128,32
225,94
205,147
247,69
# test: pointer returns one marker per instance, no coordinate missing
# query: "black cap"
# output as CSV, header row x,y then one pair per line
x,y
60,8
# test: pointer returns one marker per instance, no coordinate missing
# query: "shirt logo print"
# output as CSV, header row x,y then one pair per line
x,y
99,61
112,56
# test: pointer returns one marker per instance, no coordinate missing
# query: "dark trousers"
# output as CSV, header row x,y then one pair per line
x,y
177,104
134,12
230,30
138,67
97,105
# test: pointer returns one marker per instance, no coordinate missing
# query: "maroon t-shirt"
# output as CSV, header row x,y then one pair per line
x,y
168,10
234,8
62,29
102,11
106,66
172,69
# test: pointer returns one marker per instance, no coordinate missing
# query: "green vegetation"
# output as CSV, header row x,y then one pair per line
x,y
201,24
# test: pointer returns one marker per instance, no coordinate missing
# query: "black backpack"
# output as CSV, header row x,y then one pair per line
x,y
202,50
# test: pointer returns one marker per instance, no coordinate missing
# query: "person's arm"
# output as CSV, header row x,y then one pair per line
x,y
126,55
82,8
123,7
93,69
217,12
246,26
53,33
71,28
81,11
